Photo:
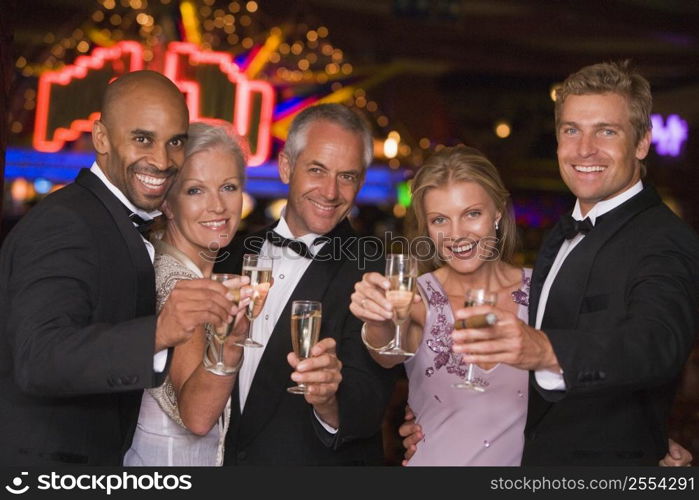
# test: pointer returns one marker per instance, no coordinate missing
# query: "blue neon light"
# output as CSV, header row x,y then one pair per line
x,y
263,180
42,186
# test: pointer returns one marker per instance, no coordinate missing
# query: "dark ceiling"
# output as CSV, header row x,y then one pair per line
x,y
462,65
530,38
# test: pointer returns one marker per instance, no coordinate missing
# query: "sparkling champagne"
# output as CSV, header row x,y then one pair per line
x,y
260,281
305,329
223,331
400,295
475,297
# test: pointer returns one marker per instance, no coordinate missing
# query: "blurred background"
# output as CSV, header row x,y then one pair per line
x,y
425,73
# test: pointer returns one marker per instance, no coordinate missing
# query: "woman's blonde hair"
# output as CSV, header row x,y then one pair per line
x,y
461,164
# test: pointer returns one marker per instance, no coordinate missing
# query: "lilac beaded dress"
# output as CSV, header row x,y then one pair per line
x,y
463,427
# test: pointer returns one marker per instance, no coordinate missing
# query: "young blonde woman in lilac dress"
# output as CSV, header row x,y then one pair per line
x,y
462,209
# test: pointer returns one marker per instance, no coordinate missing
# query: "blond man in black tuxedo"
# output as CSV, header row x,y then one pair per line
x,y
614,291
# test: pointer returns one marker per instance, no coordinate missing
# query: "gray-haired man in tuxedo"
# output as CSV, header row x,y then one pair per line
x,y
319,257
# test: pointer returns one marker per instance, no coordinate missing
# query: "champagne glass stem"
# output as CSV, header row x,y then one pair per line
x,y
397,339
247,340
249,334
469,373
220,351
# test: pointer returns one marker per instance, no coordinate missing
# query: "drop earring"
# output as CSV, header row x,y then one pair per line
x,y
497,225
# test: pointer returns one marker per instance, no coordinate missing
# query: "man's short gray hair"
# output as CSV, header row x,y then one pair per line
x,y
333,113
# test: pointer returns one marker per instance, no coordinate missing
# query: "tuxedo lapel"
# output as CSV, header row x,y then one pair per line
x,y
544,261
569,287
145,293
273,373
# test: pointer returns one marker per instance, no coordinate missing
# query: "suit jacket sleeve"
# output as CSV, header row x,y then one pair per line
x,y
366,387
57,348
647,338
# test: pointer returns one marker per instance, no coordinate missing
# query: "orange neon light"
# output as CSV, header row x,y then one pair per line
x,y
190,21
51,81
253,102
262,57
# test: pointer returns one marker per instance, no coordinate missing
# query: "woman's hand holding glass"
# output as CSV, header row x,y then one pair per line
x,y
222,356
369,304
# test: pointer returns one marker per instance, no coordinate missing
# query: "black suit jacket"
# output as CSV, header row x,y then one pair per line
x,y
77,329
280,428
622,318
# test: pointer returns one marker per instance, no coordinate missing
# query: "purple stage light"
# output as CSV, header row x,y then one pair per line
x,y
669,136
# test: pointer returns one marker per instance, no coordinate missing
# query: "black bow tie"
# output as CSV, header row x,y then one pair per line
x,y
297,246
142,225
572,227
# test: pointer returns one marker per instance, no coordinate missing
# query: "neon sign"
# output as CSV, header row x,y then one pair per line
x,y
669,136
68,100
60,116
230,95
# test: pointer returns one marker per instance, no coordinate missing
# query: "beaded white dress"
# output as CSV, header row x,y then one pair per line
x,y
161,439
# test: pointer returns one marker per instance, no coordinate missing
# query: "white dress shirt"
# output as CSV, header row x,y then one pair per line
x,y
547,379
160,357
288,269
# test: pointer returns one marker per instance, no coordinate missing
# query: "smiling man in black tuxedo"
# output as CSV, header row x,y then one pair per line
x,y
79,338
318,257
614,291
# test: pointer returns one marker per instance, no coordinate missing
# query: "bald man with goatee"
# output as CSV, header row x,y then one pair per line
x,y
79,338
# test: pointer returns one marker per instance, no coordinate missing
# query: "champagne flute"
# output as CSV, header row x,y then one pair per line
x,y
259,269
475,297
215,343
401,271
305,329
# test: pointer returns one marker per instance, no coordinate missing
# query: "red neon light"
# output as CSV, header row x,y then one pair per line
x,y
83,64
254,100
187,53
